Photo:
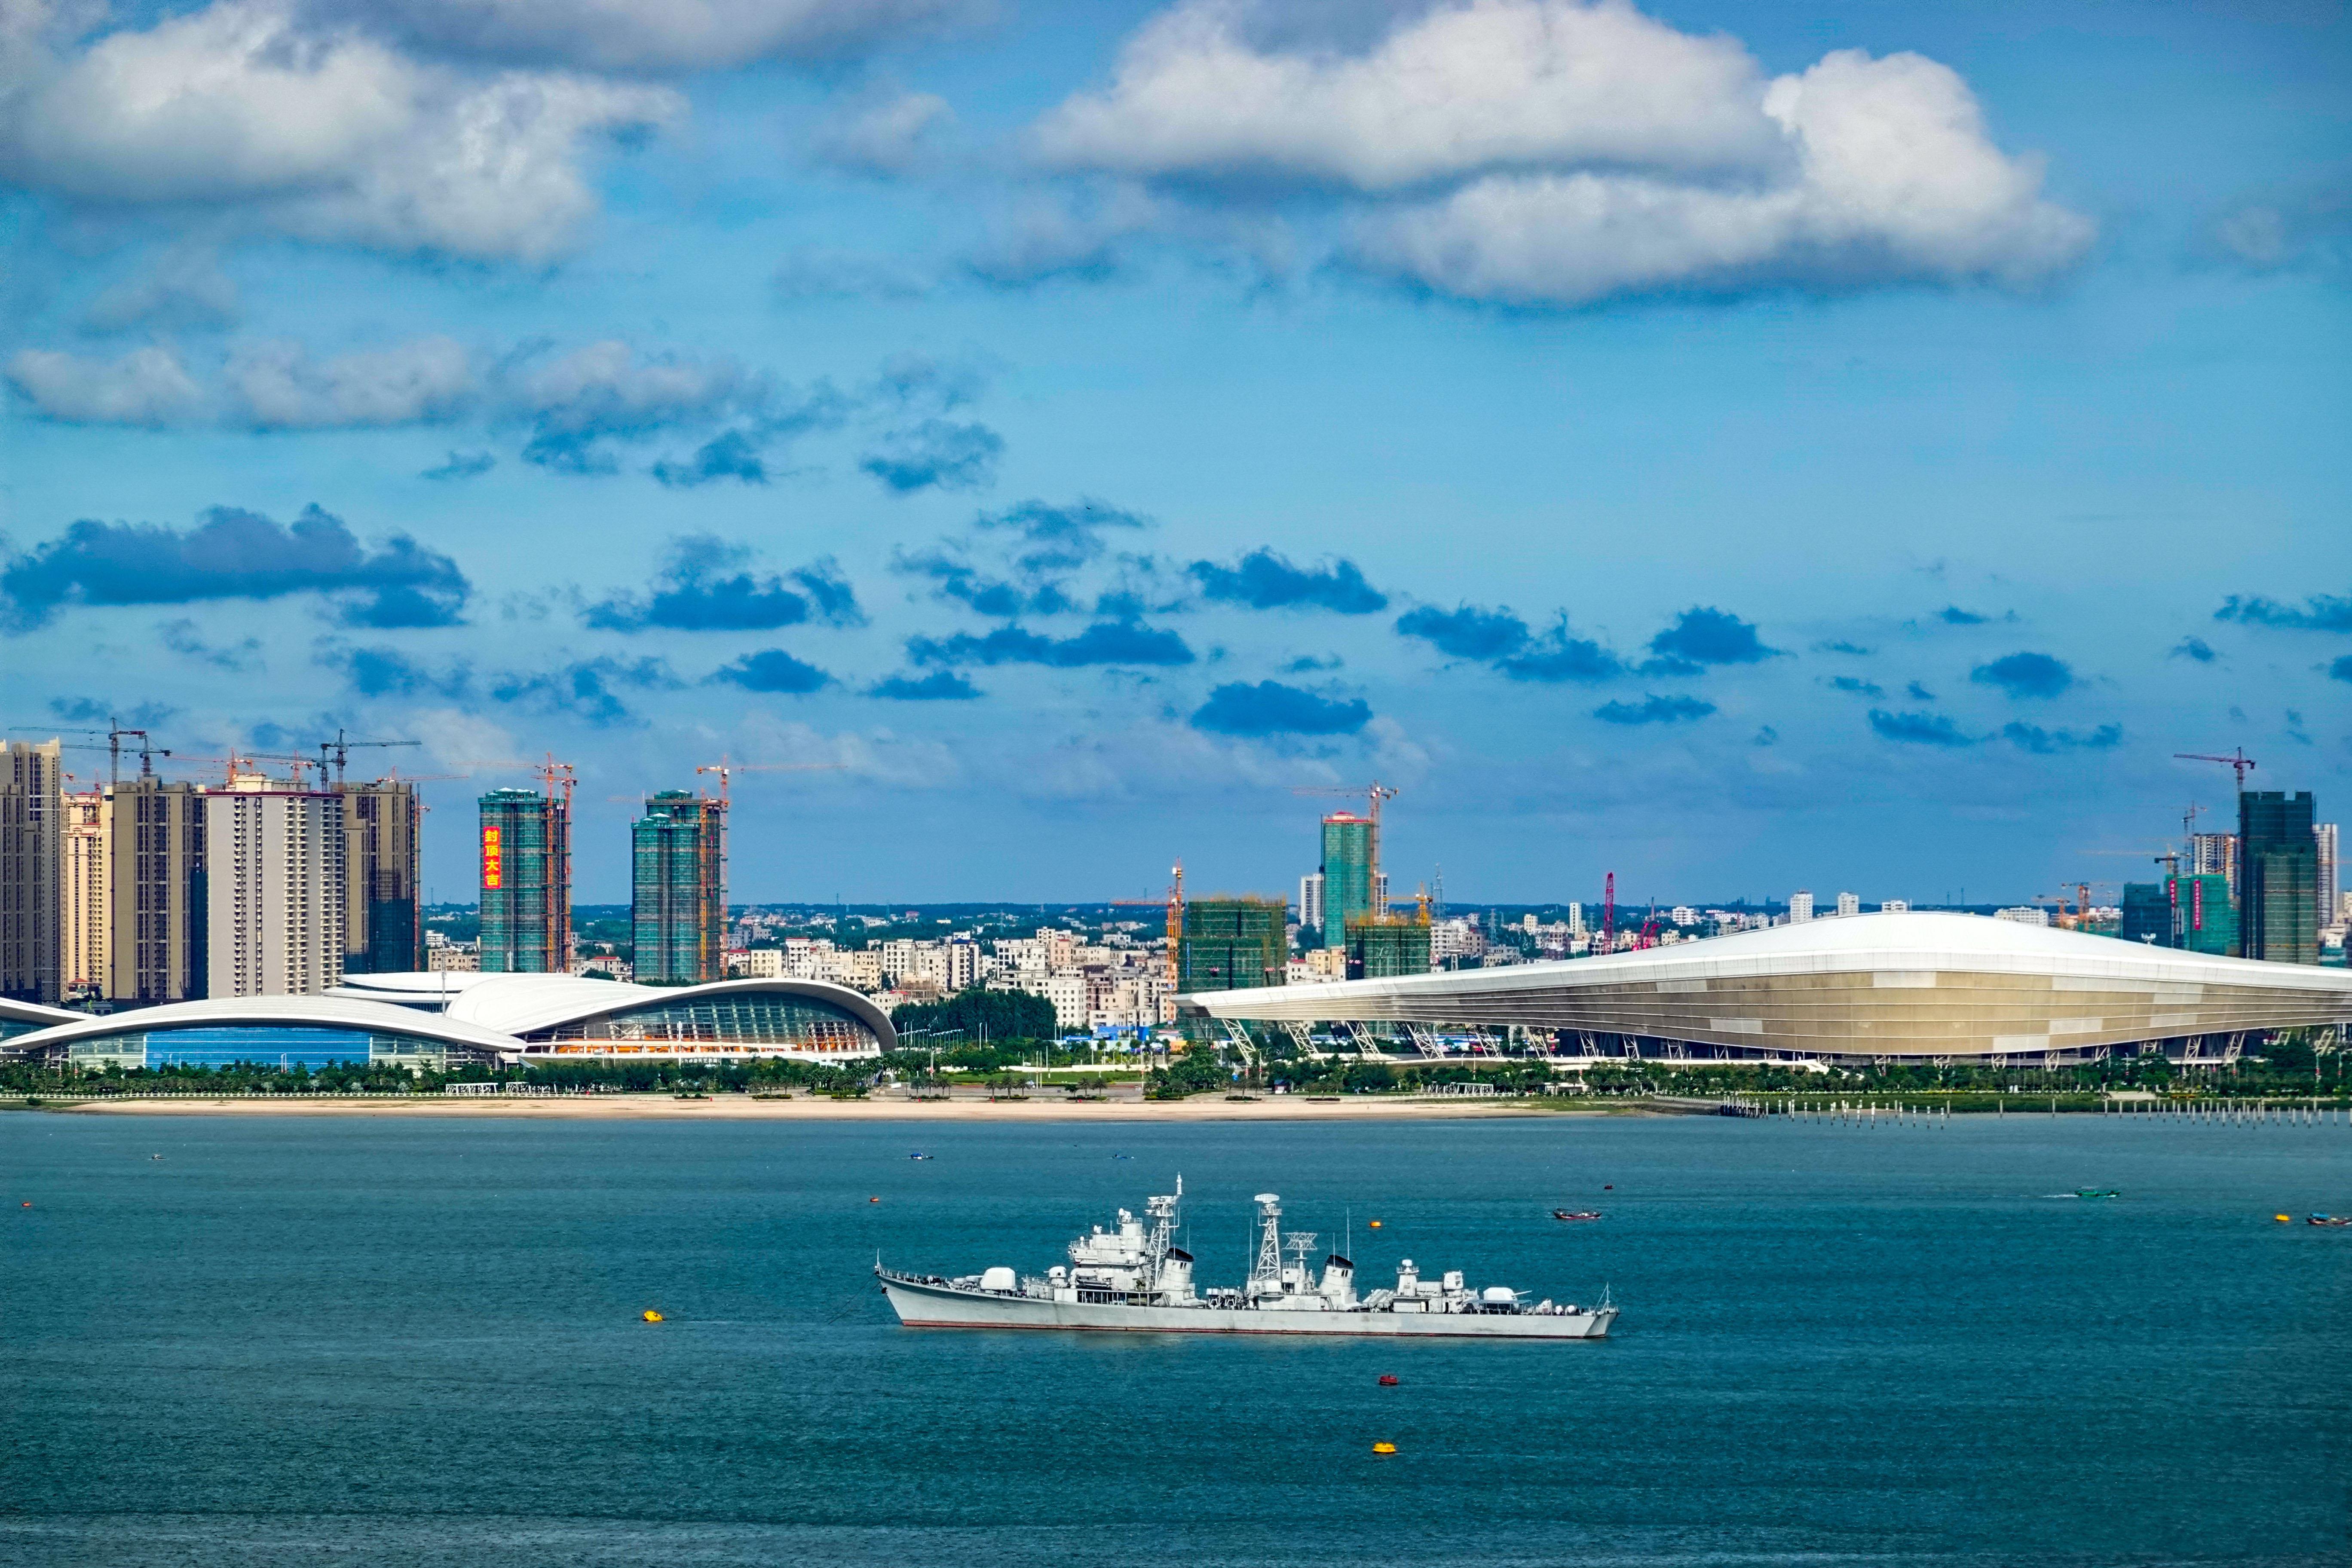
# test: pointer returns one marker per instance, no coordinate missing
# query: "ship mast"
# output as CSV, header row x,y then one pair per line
x,y
1267,1277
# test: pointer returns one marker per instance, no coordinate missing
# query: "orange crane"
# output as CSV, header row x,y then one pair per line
x,y
2237,763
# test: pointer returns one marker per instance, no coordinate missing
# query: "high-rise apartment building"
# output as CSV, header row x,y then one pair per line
x,y
1849,904
32,818
1800,907
1233,944
383,927
1349,850
1310,905
678,880
526,883
159,898
1387,945
2147,914
274,889
2278,877
2214,855
83,884
2331,871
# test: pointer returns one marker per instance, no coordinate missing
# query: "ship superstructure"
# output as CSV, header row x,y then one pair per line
x,y
1132,1276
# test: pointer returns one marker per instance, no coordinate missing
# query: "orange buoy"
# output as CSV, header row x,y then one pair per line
x,y
1376,1225
1384,1447
874,1200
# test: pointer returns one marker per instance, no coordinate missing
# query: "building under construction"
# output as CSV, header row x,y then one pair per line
x,y
384,932
526,882
1383,946
1351,854
678,881
2278,876
1230,944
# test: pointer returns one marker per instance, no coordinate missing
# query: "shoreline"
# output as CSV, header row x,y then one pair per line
x,y
742,1107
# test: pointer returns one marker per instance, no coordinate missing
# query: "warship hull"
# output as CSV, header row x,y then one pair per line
x,y
923,1304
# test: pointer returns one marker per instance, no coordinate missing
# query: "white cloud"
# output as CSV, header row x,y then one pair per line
x,y
651,34
1556,152
282,388
1468,87
332,135
882,136
147,386
1894,180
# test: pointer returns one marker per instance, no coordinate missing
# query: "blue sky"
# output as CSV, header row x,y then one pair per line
x,y
1743,447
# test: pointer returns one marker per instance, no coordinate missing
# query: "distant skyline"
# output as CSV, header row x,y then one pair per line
x,y
1729,445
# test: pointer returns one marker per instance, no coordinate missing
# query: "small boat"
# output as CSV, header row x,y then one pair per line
x,y
1575,1214
2331,1220
919,1157
2097,1193
1388,1380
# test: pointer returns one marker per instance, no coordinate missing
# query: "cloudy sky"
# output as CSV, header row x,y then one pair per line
x,y
1741,446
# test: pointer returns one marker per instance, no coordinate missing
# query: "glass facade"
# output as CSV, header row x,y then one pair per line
x,y
745,1017
262,1045
1232,943
526,883
1347,856
1378,949
678,902
2146,914
2278,877
2204,916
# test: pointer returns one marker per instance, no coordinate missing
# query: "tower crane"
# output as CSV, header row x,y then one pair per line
x,y
1175,902
2237,763
1375,793
114,733
341,749
726,768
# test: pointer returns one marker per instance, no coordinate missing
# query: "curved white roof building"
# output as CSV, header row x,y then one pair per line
x,y
1915,984
430,1019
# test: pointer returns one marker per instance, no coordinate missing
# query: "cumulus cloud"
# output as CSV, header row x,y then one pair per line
x,y
1103,643
775,670
1501,639
321,131
939,686
1654,710
91,710
1061,537
729,455
1558,151
461,466
607,391
278,385
937,454
2025,675
146,387
1466,631
2049,743
705,585
1855,649
1953,615
1920,730
2341,670
232,553
2196,649
649,36
1270,708
1856,685
883,135
2319,613
388,672
183,638
1266,581
1704,636
588,688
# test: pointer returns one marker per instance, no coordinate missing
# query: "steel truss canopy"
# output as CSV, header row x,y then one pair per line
x,y
1913,984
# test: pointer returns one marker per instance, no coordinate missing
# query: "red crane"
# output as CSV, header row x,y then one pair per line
x,y
2237,763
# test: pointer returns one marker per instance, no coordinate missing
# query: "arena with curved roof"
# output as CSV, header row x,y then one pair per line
x,y
434,1020
1901,986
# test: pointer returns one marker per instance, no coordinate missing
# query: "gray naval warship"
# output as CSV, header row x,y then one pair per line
x,y
1132,1276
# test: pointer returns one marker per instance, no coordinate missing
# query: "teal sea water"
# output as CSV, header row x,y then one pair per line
x,y
295,1342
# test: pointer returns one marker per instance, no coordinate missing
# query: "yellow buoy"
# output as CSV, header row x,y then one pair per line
x,y
1384,1447
2281,1219
652,1315
1376,1225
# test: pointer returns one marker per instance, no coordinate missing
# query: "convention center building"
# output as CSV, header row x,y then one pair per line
x,y
435,1020
1906,986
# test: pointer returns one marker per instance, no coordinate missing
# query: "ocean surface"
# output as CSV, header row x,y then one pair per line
x,y
297,1341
